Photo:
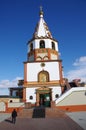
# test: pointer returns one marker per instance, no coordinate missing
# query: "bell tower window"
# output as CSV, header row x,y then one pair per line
x,y
42,44
53,45
31,47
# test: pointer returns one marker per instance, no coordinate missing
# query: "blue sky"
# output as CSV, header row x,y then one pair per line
x,y
66,20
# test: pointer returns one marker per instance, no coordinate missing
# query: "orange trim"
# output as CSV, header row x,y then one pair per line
x,y
25,72
60,72
73,108
32,84
35,55
24,94
44,50
9,110
49,55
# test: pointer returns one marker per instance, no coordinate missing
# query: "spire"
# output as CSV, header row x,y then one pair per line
x,y
42,30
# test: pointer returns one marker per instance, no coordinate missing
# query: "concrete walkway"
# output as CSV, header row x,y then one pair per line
x,y
79,118
57,123
4,116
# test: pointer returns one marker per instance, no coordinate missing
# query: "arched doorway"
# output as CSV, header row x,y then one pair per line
x,y
43,93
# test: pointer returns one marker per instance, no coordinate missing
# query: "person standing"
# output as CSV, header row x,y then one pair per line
x,y
14,115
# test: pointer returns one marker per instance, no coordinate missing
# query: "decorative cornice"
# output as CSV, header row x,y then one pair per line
x,y
41,84
59,60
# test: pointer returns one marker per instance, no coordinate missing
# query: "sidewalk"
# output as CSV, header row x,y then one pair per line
x,y
79,118
4,116
57,123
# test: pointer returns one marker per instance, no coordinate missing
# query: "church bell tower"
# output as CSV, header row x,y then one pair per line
x,y
43,69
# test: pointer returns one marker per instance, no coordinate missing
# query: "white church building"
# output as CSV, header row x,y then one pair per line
x,y
43,79
43,74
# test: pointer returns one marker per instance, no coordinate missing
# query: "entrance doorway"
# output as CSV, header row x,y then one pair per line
x,y
44,99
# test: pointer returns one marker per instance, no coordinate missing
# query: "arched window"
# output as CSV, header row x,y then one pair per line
x,y
31,47
43,76
53,45
42,44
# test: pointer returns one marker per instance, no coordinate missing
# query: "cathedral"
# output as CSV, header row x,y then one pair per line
x,y
43,74
44,83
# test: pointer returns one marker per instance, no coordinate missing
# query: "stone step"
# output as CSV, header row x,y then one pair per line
x,y
39,112
54,112
25,113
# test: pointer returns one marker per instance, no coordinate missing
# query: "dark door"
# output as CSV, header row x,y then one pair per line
x,y
45,100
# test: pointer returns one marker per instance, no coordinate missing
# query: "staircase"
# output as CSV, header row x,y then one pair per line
x,y
41,112
72,100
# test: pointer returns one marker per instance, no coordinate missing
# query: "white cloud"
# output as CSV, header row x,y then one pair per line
x,y
7,83
80,62
79,71
4,91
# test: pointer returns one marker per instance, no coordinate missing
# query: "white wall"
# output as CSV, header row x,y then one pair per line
x,y
31,92
16,104
75,96
2,106
34,68
55,90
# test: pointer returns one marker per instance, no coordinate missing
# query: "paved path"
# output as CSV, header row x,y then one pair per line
x,y
4,116
58,123
78,117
